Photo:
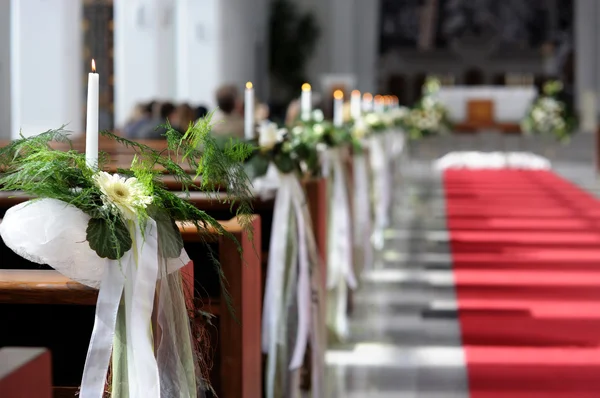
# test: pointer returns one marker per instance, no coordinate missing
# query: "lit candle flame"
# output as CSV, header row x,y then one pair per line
x,y
378,98
356,93
338,94
368,97
249,85
93,66
306,87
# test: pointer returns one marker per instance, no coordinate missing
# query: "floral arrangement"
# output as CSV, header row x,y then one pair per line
x,y
31,165
296,148
549,115
117,232
428,116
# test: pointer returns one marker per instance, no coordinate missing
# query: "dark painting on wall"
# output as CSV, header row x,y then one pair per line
x,y
529,23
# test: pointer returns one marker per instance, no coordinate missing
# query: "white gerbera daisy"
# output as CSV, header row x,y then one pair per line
x,y
128,195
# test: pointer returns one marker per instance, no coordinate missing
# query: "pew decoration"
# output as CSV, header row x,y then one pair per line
x,y
428,116
293,302
550,115
118,233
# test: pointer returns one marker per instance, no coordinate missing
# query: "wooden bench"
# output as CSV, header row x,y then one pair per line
x,y
25,373
46,309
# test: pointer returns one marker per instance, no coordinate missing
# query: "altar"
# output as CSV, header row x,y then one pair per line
x,y
496,107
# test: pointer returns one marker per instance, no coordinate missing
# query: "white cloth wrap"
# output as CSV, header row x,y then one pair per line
x,y
59,240
382,179
362,210
289,201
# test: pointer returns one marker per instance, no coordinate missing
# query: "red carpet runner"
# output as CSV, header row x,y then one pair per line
x,y
526,252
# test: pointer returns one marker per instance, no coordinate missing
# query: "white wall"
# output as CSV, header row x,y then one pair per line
x,y
198,42
46,84
5,103
145,54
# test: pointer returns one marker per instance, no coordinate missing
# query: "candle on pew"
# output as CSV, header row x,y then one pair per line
x,y
249,112
306,102
355,106
379,104
367,102
91,127
338,108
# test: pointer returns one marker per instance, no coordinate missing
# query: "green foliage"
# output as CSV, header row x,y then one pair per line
x,y
550,114
108,240
33,166
293,37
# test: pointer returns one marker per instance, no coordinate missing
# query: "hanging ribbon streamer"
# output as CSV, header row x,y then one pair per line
x,y
293,252
362,210
340,268
382,187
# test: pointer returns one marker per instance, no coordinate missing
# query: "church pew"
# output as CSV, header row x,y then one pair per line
x,y
39,299
25,372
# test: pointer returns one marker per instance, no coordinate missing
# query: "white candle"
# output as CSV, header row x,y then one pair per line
x,y
306,102
379,104
249,112
367,102
91,127
355,105
338,108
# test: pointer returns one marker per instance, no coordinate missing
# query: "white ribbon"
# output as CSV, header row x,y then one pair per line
x,y
290,202
362,209
340,268
382,183
135,277
339,256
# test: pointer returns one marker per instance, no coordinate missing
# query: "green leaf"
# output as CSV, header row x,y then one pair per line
x,y
257,166
170,241
108,240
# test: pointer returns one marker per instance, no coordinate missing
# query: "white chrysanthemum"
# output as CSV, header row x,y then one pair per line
x,y
126,194
318,129
372,119
360,129
318,115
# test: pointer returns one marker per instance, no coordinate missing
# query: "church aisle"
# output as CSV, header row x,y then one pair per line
x,y
403,344
525,246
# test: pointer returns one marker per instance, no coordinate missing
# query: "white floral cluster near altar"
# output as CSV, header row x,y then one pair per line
x,y
492,160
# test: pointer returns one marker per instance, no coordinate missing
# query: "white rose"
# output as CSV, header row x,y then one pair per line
x,y
268,135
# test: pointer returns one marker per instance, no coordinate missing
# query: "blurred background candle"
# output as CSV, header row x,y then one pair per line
x,y
379,104
338,108
355,106
91,127
306,102
249,112
367,102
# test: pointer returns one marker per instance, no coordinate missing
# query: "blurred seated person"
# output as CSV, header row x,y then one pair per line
x,y
201,111
183,117
141,115
151,130
228,120
261,113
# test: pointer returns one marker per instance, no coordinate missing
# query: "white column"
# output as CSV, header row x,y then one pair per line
x,y
5,101
366,40
45,63
586,49
198,51
216,44
343,26
145,54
